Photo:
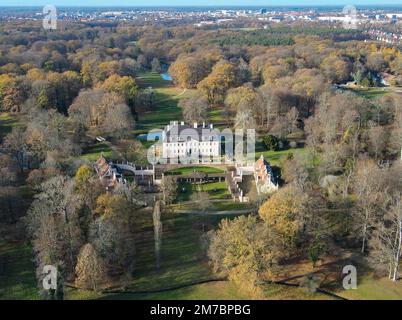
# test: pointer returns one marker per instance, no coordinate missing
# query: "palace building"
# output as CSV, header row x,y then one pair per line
x,y
199,142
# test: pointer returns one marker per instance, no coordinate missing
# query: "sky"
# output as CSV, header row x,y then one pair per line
x,y
134,3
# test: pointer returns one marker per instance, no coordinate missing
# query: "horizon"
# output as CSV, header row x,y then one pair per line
x,y
199,3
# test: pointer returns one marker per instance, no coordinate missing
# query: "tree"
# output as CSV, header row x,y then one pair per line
x,y
271,142
102,113
370,189
202,203
113,205
54,224
285,213
377,138
155,65
336,69
244,250
157,231
15,145
169,189
242,98
124,86
188,71
112,232
83,174
376,62
11,93
194,109
386,242
244,120
90,268
119,121
221,79
42,100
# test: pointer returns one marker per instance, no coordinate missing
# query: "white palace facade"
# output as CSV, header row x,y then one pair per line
x,y
199,142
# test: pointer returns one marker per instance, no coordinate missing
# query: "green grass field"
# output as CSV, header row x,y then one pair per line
x,y
167,97
275,157
370,287
370,93
7,122
93,152
221,290
17,272
215,190
189,170
182,262
182,258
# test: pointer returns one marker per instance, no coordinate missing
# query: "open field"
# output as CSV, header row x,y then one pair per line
x,y
7,122
182,257
189,170
182,263
167,97
93,152
221,290
17,272
276,157
215,190
370,93
370,287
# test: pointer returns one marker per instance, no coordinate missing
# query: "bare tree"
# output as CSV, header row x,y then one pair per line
x,y
169,189
370,190
387,241
194,109
15,145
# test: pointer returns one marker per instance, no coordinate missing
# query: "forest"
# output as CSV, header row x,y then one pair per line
x,y
328,99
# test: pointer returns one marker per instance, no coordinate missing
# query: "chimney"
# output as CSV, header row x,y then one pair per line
x,y
203,124
182,123
195,125
211,126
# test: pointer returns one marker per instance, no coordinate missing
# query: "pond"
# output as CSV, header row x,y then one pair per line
x,y
152,136
166,76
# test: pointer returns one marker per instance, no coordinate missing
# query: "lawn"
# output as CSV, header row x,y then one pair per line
x,y
167,97
93,152
215,190
189,170
370,93
372,288
17,272
230,205
275,157
183,263
182,258
220,290
216,115
7,122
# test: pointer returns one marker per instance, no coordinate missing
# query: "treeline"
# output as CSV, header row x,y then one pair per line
x,y
255,38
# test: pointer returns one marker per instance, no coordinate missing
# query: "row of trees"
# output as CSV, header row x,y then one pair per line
x,y
87,233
